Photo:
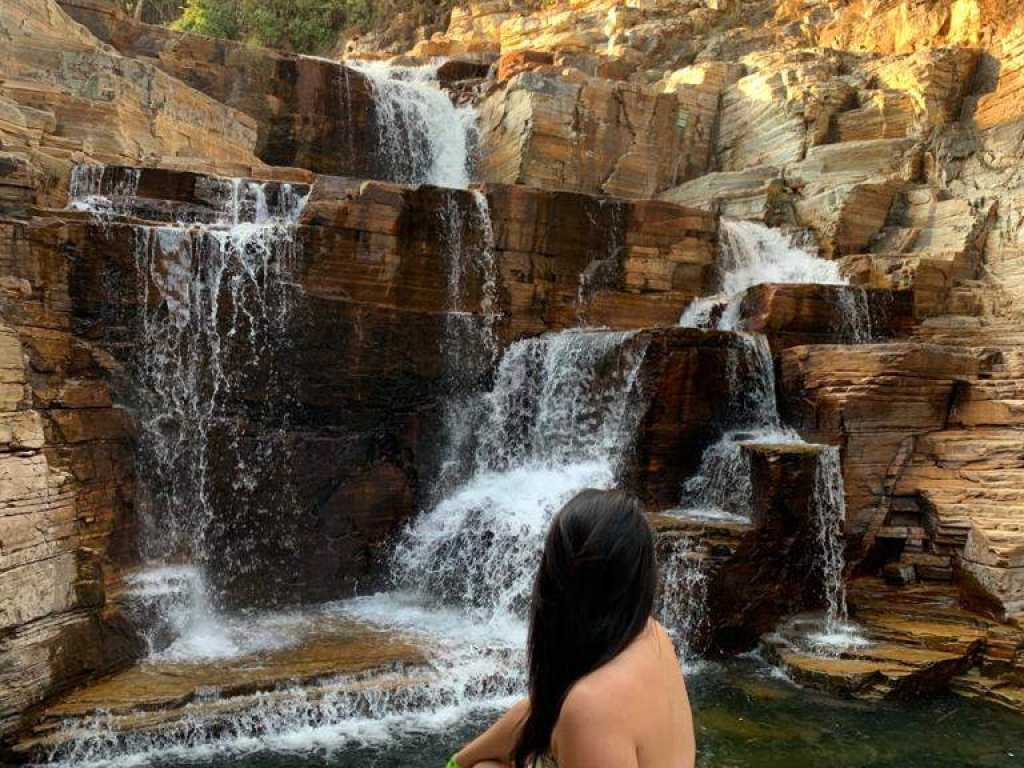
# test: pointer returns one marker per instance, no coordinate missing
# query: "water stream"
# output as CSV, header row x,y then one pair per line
x,y
721,490
215,301
423,136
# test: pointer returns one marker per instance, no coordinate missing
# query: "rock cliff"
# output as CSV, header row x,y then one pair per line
x,y
612,138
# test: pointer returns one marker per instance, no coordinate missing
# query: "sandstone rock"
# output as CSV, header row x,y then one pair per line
x,y
685,378
64,483
847,217
153,696
904,26
479,22
65,92
928,441
747,194
934,245
882,115
592,136
851,162
774,115
873,399
511,64
12,370
936,81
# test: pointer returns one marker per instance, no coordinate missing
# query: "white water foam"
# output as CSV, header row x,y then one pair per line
x,y
423,136
753,254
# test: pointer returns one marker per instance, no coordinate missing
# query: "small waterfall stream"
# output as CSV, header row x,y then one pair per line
x,y
721,490
423,137
215,303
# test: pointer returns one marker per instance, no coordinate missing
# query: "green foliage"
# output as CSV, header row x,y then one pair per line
x,y
152,11
305,26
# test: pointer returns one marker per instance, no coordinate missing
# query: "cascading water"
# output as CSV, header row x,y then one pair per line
x,y
721,490
556,421
423,137
753,254
838,633
682,602
87,191
470,342
215,302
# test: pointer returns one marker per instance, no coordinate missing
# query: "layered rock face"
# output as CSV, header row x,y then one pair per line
x,y
65,93
66,481
890,130
930,470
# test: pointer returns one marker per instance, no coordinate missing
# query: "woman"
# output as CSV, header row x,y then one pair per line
x,y
606,690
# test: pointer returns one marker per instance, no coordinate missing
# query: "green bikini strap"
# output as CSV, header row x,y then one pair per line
x,y
452,763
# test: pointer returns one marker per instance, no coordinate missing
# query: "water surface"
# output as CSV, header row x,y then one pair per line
x,y
747,716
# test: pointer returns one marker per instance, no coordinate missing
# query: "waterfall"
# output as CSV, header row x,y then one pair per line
x,y
470,341
682,602
753,254
215,300
423,137
722,489
837,633
557,420
101,191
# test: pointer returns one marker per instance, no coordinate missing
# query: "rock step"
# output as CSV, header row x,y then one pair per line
x,y
338,656
922,641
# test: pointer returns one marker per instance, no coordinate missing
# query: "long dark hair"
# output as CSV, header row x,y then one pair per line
x,y
593,595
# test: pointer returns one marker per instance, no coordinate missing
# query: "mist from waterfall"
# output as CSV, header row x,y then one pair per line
x,y
422,135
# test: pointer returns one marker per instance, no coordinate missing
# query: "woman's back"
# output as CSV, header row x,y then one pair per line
x,y
632,711
606,690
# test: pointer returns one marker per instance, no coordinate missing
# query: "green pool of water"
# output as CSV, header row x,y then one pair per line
x,y
747,716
